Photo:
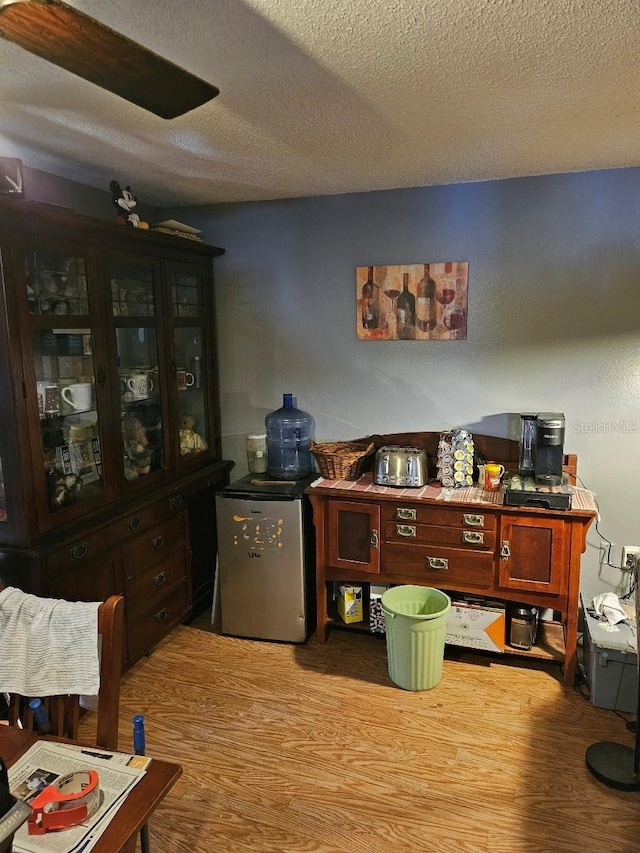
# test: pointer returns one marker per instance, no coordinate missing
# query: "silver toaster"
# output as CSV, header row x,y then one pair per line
x,y
400,466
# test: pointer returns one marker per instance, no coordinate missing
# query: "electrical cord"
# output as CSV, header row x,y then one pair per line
x,y
609,543
582,688
597,529
632,589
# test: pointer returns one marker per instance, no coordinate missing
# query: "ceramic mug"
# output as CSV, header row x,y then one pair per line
x,y
48,398
78,396
493,472
184,379
140,385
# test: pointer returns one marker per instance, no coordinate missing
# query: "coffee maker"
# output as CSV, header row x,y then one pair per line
x,y
549,448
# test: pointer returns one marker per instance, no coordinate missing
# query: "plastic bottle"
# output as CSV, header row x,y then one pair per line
x,y
139,744
139,747
289,433
41,717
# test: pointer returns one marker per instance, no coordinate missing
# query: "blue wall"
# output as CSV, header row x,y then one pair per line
x,y
554,312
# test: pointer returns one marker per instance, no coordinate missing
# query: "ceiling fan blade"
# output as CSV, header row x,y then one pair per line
x,y
67,37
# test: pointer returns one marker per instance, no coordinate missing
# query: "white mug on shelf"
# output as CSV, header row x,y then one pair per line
x,y
78,395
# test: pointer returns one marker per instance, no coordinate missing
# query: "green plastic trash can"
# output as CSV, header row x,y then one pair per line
x,y
416,625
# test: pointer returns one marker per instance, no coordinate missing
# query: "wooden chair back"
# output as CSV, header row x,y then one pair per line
x,y
64,711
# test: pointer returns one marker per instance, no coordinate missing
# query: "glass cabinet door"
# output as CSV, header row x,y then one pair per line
x,y
191,386
190,367
135,309
62,346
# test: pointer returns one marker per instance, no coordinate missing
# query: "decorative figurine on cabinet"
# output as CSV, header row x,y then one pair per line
x,y
137,453
63,488
190,441
125,201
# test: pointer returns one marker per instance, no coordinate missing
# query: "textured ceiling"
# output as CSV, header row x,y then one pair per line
x,y
321,96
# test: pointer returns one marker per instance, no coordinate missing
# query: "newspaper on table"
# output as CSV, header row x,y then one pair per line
x,y
44,762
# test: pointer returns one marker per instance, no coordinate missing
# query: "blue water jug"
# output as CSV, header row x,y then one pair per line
x,y
289,433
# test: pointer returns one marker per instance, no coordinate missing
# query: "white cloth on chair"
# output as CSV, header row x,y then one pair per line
x,y
48,646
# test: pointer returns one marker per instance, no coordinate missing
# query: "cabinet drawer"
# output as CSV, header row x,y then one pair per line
x,y
144,589
404,531
439,566
137,522
91,580
172,504
465,518
78,552
150,546
146,630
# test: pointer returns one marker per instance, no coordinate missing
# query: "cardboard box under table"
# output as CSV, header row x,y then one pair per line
x,y
476,625
350,603
610,661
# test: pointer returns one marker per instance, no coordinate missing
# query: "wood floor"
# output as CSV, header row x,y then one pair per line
x,y
294,749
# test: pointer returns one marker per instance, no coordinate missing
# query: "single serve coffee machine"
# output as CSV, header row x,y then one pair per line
x,y
549,448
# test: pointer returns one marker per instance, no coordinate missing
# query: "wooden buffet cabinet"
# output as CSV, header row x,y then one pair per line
x,y
518,554
110,451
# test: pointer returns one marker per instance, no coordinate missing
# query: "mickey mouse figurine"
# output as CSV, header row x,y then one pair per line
x,y
125,201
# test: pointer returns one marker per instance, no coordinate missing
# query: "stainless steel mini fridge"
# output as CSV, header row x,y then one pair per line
x,y
266,559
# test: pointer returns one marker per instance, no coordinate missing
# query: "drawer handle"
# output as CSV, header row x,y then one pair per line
x,y
406,530
161,615
175,502
472,537
473,520
160,579
78,552
134,523
157,543
438,563
406,514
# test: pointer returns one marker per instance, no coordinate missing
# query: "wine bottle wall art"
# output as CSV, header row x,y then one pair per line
x,y
421,302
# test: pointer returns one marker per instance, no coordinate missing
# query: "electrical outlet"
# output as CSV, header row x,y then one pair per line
x,y
629,556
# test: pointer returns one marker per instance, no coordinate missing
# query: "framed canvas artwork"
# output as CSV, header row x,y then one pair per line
x,y
412,302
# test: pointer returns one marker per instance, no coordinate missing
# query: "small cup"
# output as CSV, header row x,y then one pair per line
x,y
48,399
184,379
78,396
493,472
140,385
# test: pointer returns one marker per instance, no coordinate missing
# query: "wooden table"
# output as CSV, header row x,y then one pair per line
x,y
121,834
367,534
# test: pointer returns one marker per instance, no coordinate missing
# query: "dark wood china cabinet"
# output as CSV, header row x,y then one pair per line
x,y
110,449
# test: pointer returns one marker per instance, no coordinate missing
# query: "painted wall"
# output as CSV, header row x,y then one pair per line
x,y
554,314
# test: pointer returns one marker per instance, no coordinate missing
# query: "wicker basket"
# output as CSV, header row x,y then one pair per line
x,y
341,460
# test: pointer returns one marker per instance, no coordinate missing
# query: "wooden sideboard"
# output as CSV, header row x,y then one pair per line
x,y
367,534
